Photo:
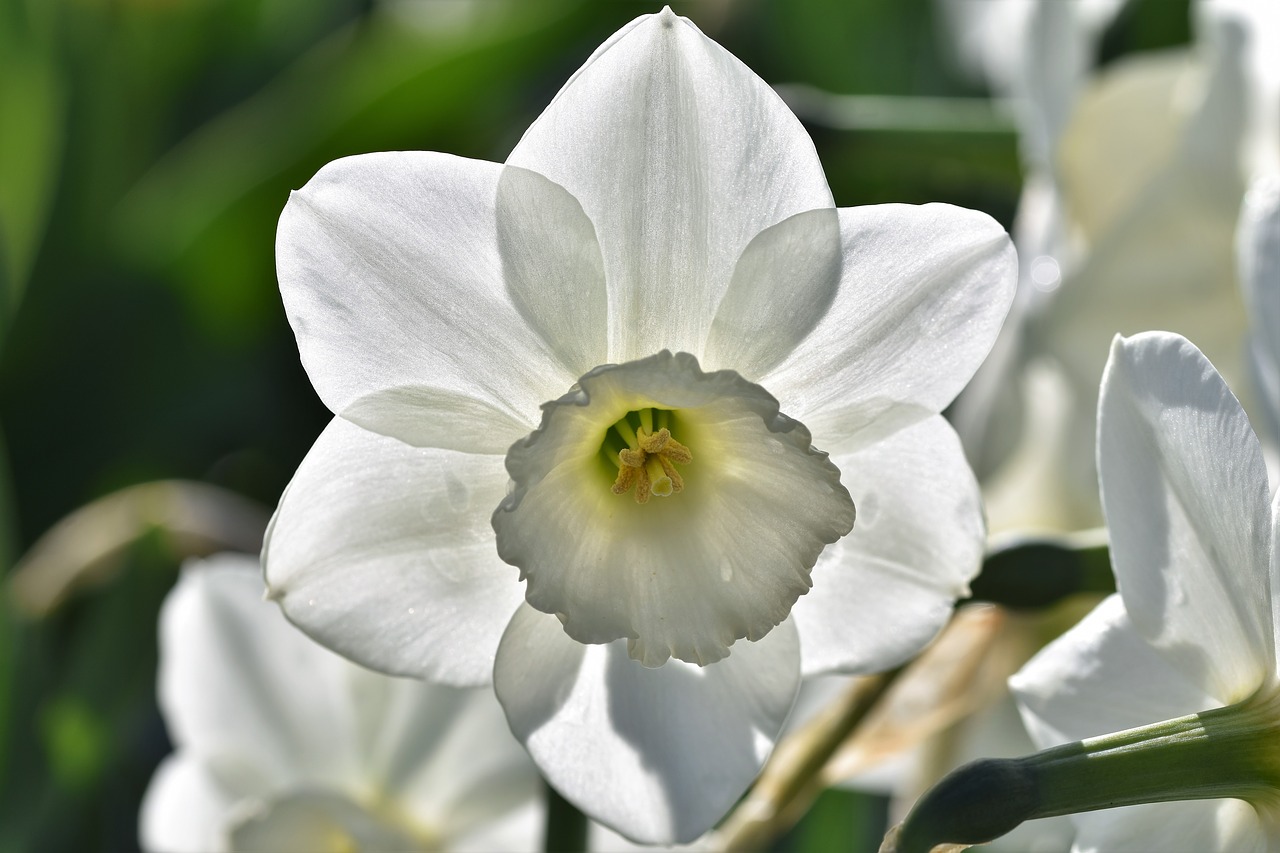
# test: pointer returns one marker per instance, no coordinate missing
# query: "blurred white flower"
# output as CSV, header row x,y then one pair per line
x,y
1191,630
283,745
1129,226
666,201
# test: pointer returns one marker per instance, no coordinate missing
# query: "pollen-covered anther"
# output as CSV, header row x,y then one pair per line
x,y
648,461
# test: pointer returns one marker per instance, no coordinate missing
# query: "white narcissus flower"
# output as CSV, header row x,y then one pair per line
x,y
647,322
283,745
1192,630
1135,232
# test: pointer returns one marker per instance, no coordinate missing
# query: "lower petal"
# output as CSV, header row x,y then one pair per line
x,y
383,552
657,754
884,591
1101,677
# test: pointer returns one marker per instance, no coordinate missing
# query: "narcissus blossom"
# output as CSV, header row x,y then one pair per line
x,y
1128,225
283,745
604,413
1192,630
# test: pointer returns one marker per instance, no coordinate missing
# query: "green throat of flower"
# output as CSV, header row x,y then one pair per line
x,y
640,446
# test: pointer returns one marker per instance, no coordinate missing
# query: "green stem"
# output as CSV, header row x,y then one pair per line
x,y
1224,752
566,830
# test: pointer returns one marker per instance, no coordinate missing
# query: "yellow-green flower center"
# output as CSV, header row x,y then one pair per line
x,y
645,453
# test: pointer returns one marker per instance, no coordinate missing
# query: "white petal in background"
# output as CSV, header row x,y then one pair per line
x,y
657,754
1258,262
185,808
1185,493
881,593
922,295
384,553
1102,676
393,280
680,155
242,690
272,730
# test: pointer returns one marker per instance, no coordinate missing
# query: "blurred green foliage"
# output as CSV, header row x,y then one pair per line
x,y
146,150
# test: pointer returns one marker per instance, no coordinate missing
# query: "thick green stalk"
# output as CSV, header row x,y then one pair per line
x,y
1225,752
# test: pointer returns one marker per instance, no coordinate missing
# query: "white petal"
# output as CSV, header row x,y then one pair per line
x,y
521,831
1100,677
782,286
553,267
1184,490
1258,259
242,688
383,552
656,754
392,269
680,155
184,810
321,822
922,295
882,592
447,757
684,575
1199,825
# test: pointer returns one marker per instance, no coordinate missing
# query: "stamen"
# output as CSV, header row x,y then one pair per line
x,y
646,419
643,487
677,452
626,479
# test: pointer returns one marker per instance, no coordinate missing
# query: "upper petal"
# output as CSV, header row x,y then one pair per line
x,y
781,288
383,552
684,575
394,273
881,593
922,294
1184,490
680,155
656,754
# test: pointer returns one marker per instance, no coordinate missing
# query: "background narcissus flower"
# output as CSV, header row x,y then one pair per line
x,y
1193,626
1127,223
666,200
283,745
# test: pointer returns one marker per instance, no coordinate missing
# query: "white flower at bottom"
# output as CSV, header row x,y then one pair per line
x,y
283,745
660,268
1191,631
